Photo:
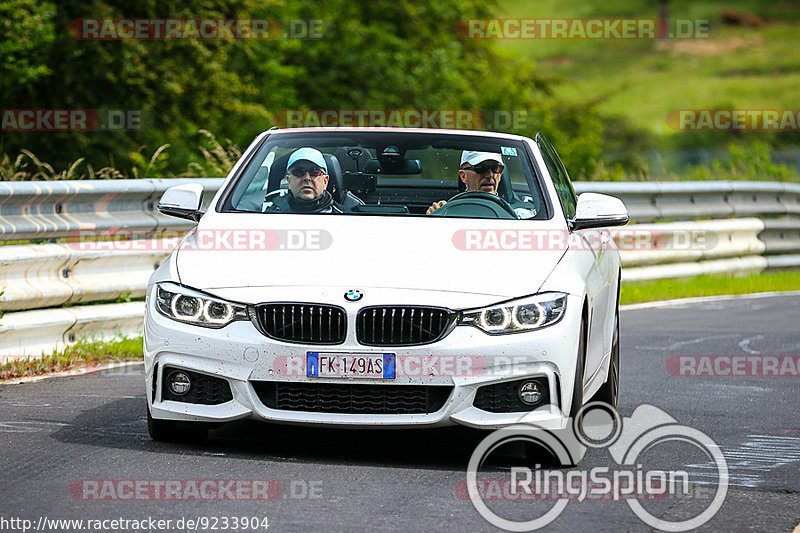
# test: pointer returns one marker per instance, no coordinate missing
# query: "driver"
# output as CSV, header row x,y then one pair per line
x,y
480,171
307,175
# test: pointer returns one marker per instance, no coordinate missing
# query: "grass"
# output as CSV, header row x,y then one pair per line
x,y
708,285
84,353
642,80
219,157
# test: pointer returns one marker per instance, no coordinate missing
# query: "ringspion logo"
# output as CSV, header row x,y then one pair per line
x,y
547,492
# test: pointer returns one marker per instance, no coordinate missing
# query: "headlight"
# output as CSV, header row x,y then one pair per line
x,y
529,313
193,307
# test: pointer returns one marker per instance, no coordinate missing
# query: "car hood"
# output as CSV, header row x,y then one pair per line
x,y
258,257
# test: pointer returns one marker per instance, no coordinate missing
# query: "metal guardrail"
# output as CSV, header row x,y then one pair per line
x,y
687,200
36,276
44,330
47,275
676,242
55,209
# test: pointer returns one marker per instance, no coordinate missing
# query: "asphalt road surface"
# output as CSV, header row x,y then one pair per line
x,y
65,442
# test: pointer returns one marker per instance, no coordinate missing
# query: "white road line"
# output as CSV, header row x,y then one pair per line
x,y
745,344
17,426
675,345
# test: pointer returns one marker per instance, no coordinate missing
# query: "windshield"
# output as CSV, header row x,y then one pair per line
x,y
389,173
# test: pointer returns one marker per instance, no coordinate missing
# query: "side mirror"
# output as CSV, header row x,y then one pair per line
x,y
598,211
182,201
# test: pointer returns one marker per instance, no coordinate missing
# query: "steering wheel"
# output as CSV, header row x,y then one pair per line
x,y
482,204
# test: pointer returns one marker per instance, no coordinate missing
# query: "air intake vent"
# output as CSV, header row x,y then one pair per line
x,y
352,398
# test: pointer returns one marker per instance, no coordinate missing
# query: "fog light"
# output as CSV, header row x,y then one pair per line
x,y
179,383
530,392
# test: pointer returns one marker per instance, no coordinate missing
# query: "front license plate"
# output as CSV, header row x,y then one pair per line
x,y
345,365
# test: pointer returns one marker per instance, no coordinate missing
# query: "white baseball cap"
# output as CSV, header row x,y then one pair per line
x,y
307,154
474,158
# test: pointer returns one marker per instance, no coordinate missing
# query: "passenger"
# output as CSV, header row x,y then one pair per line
x,y
307,175
480,171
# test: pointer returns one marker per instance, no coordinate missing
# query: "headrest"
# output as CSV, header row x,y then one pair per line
x,y
277,172
335,186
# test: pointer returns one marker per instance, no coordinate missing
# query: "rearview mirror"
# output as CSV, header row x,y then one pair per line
x,y
182,201
389,166
598,211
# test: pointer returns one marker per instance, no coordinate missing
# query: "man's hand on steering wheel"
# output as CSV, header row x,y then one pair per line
x,y
482,197
434,206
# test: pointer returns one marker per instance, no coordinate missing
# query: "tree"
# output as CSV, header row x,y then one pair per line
x,y
376,55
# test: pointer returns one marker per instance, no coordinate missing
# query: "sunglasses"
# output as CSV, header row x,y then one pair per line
x,y
483,168
299,172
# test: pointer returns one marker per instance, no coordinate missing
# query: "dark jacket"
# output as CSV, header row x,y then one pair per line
x,y
289,204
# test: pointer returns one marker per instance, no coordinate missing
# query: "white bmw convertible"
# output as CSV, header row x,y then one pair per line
x,y
384,277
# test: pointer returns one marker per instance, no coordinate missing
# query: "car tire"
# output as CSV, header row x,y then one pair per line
x,y
577,388
171,431
535,454
609,391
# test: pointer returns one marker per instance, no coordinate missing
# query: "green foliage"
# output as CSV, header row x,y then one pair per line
x,y
26,29
123,298
602,103
641,81
218,159
154,167
748,162
378,55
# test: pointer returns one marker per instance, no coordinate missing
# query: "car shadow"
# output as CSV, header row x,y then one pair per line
x,y
122,423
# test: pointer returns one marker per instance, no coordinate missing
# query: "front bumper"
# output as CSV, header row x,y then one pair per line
x,y
464,360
